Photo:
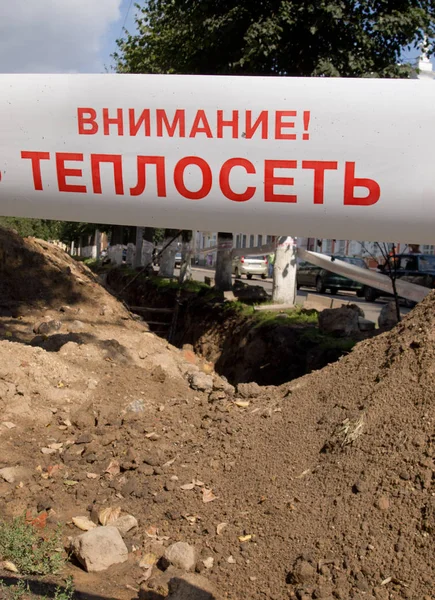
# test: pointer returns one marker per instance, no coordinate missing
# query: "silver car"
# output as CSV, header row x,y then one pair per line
x,y
249,266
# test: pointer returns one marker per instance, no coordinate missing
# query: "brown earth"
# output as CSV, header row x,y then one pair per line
x,y
325,483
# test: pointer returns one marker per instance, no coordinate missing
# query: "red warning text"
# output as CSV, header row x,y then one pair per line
x,y
289,125
272,180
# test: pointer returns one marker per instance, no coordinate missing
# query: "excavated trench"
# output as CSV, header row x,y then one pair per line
x,y
243,349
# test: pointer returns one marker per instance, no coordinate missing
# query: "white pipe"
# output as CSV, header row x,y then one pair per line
x,y
407,290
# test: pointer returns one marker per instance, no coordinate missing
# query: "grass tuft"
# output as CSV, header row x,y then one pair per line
x,y
31,553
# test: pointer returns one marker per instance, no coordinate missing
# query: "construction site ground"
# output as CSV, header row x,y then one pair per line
x,y
321,487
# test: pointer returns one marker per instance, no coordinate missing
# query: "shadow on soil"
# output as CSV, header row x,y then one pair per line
x,y
29,277
44,589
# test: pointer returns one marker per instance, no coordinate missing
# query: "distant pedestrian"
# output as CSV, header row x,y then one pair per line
x,y
270,263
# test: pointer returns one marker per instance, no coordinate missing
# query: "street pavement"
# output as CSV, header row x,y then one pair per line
x,y
371,309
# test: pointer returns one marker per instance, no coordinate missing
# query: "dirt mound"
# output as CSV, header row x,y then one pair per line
x,y
321,488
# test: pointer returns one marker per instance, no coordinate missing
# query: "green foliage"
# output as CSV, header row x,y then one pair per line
x,y
295,316
40,228
21,544
343,38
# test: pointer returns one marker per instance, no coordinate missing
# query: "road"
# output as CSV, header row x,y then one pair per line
x,y
371,309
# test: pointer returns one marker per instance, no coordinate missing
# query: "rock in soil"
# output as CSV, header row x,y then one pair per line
x,y
14,474
125,524
388,316
181,555
341,321
99,549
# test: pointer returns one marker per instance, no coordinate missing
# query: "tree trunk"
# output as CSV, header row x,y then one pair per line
x,y
117,236
97,244
167,261
131,235
139,242
284,272
223,275
147,249
186,257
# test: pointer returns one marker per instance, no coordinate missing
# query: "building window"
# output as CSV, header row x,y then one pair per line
x,y
244,241
238,241
328,246
251,241
341,247
269,239
428,249
260,240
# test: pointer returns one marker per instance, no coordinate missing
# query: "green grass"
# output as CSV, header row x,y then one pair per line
x,y
21,544
295,316
191,286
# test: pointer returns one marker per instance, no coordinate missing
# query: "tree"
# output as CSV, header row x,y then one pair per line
x,y
284,271
223,278
40,228
167,262
346,38
186,256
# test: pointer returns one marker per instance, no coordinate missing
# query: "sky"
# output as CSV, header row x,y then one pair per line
x,y
61,36
64,36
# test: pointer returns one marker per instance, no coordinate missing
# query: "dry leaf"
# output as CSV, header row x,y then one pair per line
x,y
109,515
53,469
70,482
9,566
60,384
152,436
152,531
169,463
48,450
231,560
8,424
208,562
148,560
220,528
192,518
242,403
39,521
303,474
245,538
56,446
198,483
92,475
113,468
83,523
188,486
208,496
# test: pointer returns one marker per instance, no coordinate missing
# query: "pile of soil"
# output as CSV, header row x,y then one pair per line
x,y
325,483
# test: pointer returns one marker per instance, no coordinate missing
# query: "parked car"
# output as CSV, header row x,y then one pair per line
x,y
309,275
178,259
249,266
415,268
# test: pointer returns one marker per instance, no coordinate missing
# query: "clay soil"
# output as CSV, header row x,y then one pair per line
x,y
325,483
